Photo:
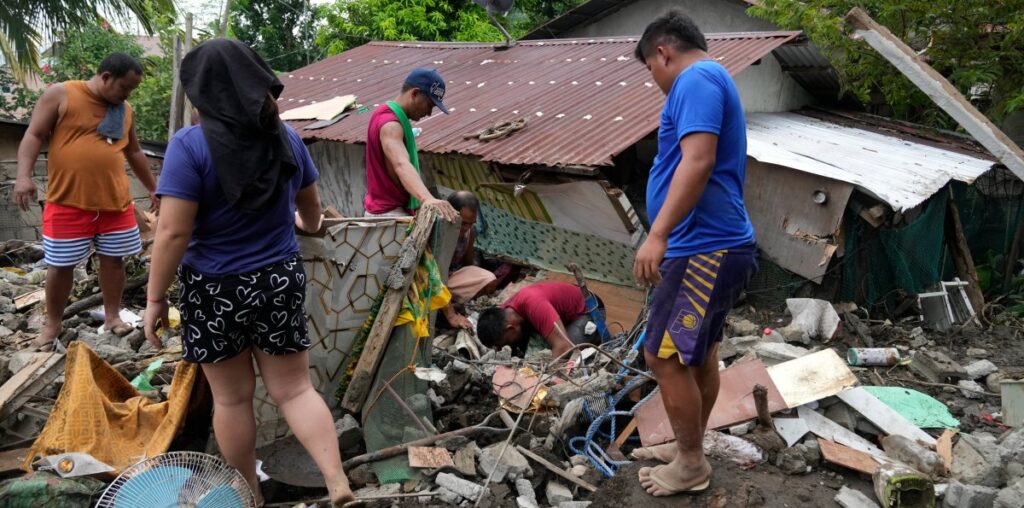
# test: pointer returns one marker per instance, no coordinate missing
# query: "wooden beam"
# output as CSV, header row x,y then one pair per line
x,y
962,258
186,108
565,475
938,89
177,92
28,381
396,286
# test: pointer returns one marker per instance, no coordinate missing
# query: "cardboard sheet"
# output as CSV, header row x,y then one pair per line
x,y
811,377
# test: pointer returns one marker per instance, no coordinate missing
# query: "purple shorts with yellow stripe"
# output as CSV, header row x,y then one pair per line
x,y
689,306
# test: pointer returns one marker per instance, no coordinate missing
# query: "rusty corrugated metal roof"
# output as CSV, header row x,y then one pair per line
x,y
587,99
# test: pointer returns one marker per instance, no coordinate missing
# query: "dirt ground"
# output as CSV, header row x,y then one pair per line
x,y
731,486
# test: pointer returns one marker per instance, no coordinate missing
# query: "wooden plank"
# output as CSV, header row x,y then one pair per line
x,y
10,461
29,299
397,285
944,447
962,259
832,431
429,457
847,457
938,89
882,416
626,432
565,475
29,381
811,377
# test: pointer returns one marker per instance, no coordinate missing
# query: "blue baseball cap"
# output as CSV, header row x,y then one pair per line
x,y
429,82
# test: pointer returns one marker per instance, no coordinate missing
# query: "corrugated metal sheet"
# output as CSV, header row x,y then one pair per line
x,y
587,100
897,171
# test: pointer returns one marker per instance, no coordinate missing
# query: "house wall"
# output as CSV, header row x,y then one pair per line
x,y
342,175
764,88
10,137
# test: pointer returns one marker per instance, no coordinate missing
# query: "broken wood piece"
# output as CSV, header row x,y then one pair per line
x,y
882,416
847,457
96,299
393,451
938,89
429,457
962,259
859,328
565,475
380,332
10,462
823,427
944,447
29,299
811,377
764,418
626,432
30,380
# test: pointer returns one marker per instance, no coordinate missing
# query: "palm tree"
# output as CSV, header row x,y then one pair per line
x,y
23,22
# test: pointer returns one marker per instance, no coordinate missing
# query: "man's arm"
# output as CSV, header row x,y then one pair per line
x,y
392,140
44,119
558,340
688,183
140,166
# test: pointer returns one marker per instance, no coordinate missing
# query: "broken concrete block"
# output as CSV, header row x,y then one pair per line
x,y
976,461
741,429
557,493
464,488
574,504
812,451
448,497
5,332
525,489
737,327
994,381
579,471
976,352
465,459
936,367
1011,446
849,498
1012,496
772,353
959,495
600,383
388,489
578,460
526,502
350,434
733,346
1014,470
112,354
512,465
791,461
980,369
970,389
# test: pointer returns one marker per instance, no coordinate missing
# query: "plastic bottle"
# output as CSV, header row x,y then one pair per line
x,y
873,356
898,486
911,452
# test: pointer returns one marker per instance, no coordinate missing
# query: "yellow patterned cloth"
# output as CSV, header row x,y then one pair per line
x,y
426,293
99,412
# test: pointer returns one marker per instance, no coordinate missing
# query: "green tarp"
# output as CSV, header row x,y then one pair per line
x,y
921,409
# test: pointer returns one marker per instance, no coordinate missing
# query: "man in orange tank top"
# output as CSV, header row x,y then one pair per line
x,y
88,206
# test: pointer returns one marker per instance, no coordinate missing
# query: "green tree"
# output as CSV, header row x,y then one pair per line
x,y
976,44
79,52
281,31
16,100
20,38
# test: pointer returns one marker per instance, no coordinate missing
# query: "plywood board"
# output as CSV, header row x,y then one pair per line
x,y
792,430
735,403
832,431
429,457
28,381
811,377
944,447
848,457
29,299
11,460
883,416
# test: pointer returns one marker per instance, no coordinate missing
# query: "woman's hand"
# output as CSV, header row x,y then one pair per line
x,y
154,319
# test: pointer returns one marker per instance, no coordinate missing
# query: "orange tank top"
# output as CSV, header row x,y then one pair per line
x,y
85,171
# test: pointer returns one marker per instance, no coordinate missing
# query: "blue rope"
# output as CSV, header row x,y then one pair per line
x,y
586,446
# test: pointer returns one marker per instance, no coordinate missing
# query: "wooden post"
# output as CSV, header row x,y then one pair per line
x,y
938,89
177,92
186,112
962,257
223,32
764,417
397,285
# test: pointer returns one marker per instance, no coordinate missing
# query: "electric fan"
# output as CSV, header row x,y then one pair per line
x,y
177,479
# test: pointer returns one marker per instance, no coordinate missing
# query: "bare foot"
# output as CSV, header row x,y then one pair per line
x,y
44,342
675,478
663,453
340,492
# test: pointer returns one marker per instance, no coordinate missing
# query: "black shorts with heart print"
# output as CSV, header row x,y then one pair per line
x,y
223,316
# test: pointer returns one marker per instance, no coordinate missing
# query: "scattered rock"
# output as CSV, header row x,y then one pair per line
x,y
600,383
976,352
512,465
772,353
976,461
1014,470
811,450
465,459
970,389
741,429
959,495
791,461
980,369
579,460
557,493
993,380
737,327
574,504
843,415
849,498
361,475
112,354
936,367
1011,446
579,471
5,332
454,443
350,434
733,346
525,489
388,489
1010,497
526,502
463,488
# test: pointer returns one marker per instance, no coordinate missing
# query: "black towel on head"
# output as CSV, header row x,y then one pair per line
x,y
229,84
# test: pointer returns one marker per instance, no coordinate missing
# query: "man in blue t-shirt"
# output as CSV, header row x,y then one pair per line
x,y
700,251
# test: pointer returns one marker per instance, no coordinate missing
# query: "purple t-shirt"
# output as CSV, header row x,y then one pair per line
x,y
226,241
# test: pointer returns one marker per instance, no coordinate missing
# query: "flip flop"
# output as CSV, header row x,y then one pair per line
x,y
651,452
122,329
668,489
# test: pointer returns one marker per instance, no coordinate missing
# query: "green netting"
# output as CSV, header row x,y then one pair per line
x,y
990,223
46,490
772,285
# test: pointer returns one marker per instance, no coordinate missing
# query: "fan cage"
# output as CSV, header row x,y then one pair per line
x,y
197,479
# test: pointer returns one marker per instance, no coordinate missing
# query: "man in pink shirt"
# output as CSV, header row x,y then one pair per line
x,y
556,311
394,187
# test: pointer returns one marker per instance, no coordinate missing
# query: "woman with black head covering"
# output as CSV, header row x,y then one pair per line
x,y
233,189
